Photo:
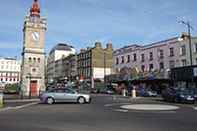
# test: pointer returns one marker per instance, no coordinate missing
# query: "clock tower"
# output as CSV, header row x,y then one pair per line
x,y
33,55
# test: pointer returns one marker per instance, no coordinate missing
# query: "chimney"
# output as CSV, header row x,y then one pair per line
x,y
109,46
184,35
82,50
98,45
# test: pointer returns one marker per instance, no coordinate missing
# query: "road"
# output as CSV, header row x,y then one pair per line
x,y
103,114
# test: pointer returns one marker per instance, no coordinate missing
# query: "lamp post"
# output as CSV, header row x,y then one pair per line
x,y
29,76
189,27
104,68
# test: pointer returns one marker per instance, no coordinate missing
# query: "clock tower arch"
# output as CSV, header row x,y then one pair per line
x,y
33,54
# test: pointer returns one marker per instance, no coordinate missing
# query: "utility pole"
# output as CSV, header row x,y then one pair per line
x,y
189,27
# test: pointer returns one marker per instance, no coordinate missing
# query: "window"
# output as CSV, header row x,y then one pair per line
x,y
171,64
161,65
161,55
122,59
151,67
183,50
171,51
142,68
151,56
39,60
34,59
195,47
142,57
134,57
1,79
128,58
196,61
29,59
184,62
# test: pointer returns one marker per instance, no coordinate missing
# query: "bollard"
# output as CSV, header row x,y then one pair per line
x,y
124,92
133,93
1,99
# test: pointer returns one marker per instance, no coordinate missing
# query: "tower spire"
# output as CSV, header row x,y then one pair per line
x,y
35,9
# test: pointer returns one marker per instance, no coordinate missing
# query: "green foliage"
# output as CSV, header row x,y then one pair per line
x,y
12,88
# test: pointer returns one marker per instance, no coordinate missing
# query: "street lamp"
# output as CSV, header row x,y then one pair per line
x,y
29,76
104,68
189,27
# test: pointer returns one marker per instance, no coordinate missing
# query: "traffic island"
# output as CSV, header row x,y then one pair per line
x,y
150,107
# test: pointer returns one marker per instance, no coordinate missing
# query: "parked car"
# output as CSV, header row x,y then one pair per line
x,y
107,91
146,92
64,95
178,95
194,92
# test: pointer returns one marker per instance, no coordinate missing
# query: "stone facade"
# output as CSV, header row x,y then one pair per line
x,y
70,67
156,58
33,55
95,62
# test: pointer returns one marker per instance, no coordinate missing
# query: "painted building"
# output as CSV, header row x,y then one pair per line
x,y
10,69
158,57
55,62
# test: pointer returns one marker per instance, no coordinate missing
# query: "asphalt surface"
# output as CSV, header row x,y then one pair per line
x,y
103,114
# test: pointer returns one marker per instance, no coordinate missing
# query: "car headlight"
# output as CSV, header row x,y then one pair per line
x,y
182,96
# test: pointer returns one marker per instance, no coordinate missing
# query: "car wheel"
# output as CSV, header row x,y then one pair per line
x,y
50,100
81,100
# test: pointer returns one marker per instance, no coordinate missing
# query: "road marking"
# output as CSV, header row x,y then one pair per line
x,y
19,107
121,110
5,109
195,108
26,105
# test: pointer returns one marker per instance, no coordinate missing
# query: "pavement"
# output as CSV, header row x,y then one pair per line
x,y
15,102
104,113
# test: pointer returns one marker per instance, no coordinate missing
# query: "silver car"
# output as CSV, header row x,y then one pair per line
x,y
64,95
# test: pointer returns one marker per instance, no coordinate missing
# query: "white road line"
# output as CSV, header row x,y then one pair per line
x,y
5,109
121,110
195,108
26,105
18,107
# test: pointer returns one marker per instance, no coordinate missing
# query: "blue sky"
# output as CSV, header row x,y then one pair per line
x,y
82,22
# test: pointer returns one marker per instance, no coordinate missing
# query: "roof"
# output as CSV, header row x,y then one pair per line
x,y
62,46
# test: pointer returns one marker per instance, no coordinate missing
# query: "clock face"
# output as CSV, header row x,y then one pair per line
x,y
35,36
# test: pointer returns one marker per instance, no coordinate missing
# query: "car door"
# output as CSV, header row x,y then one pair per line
x,y
59,95
70,95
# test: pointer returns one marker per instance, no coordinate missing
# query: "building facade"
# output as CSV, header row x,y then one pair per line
x,y
95,63
157,58
10,69
55,67
33,55
70,67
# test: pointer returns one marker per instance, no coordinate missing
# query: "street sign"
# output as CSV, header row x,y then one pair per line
x,y
195,71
